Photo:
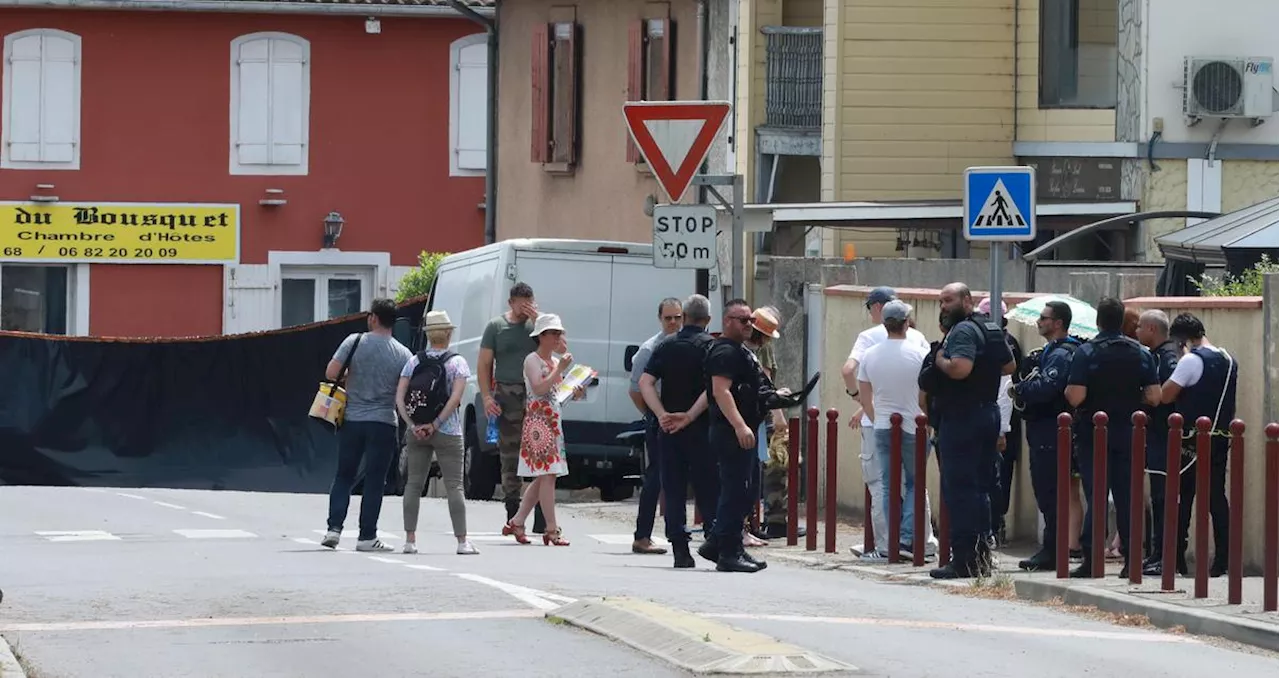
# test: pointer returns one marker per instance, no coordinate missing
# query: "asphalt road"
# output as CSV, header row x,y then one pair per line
x,y
185,583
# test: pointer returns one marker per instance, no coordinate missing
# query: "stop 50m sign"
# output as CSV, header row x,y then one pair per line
x,y
684,236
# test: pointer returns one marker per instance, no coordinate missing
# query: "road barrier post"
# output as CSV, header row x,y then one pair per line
x,y
1063,520
919,529
833,430
1172,485
1271,521
894,489
1098,498
793,481
1203,463
811,484
1137,472
1235,542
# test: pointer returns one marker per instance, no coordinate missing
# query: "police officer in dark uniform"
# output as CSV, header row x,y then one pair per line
x,y
734,382
1039,394
1111,373
973,358
1204,385
681,411
1153,332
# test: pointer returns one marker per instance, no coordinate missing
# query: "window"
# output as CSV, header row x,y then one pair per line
x,y
555,94
270,104
649,51
1078,53
41,107
468,105
33,298
310,295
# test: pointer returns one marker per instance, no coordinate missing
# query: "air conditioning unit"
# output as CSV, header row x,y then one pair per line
x,y
1228,87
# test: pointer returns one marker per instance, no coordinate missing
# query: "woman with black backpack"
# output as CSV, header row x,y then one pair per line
x,y
428,396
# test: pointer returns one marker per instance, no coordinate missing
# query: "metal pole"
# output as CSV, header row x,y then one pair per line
x,y
737,240
997,250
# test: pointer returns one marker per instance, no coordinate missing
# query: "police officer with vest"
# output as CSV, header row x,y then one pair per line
x,y
1153,332
1039,394
1204,385
1114,374
973,358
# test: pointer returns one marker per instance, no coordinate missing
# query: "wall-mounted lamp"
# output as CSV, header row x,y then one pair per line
x,y
274,198
372,26
43,197
332,229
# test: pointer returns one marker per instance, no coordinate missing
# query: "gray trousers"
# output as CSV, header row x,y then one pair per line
x,y
448,451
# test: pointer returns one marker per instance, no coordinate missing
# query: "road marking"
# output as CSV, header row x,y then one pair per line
x,y
267,621
541,600
381,559
216,534
168,505
209,515
956,626
623,539
81,535
426,568
308,542
131,496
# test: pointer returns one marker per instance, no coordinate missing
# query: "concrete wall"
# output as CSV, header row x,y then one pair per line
x,y
1232,323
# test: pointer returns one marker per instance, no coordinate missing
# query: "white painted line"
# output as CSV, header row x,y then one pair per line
x,y
308,542
426,568
168,505
956,626
538,599
9,665
382,559
81,535
131,496
266,621
623,539
216,534
209,515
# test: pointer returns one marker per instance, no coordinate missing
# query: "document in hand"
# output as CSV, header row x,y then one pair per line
x,y
578,375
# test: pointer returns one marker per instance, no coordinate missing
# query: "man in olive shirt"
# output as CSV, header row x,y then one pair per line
x,y
500,374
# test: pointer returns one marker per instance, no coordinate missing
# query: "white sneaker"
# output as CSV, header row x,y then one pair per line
x,y
410,548
331,539
467,549
874,557
372,545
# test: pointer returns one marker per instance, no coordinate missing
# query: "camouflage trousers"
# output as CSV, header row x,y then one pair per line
x,y
511,398
774,483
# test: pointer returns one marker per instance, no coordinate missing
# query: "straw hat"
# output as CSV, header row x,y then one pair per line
x,y
764,321
546,321
438,320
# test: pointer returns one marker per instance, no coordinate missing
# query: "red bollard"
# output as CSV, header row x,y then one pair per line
x,y
811,476
793,481
868,529
1203,424
1137,471
1172,488
918,528
1063,521
944,523
1098,498
1271,521
833,431
1235,542
894,490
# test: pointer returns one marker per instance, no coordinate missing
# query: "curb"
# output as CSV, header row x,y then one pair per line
x,y
9,666
1163,615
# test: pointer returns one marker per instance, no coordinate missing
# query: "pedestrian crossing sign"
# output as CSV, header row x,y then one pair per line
x,y
1000,203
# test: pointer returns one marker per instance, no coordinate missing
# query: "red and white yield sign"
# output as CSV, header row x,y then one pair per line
x,y
674,137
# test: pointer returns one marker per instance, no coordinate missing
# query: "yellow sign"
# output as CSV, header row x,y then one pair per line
x,y
121,233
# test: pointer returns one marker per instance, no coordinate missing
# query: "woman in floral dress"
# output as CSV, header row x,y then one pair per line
x,y
542,455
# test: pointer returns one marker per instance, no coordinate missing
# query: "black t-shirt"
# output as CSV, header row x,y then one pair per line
x,y
731,359
679,362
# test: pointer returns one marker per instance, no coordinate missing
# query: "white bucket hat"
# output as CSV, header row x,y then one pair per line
x,y
546,321
438,320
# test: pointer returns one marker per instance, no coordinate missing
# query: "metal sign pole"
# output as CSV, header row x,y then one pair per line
x,y
737,238
997,252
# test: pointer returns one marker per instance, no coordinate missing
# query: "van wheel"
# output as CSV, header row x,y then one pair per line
x,y
616,492
478,471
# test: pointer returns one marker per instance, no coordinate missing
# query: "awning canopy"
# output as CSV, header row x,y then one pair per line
x,y
1254,229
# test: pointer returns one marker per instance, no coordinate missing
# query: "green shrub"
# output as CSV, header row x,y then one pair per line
x,y
1247,284
417,282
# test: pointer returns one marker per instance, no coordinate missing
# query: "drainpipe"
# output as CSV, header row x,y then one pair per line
x,y
491,118
702,277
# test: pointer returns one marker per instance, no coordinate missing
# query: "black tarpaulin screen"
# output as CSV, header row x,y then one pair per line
x,y
207,413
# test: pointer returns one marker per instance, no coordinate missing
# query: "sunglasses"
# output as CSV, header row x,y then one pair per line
x,y
744,319
673,318
1047,317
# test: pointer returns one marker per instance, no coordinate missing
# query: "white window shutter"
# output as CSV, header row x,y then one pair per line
x,y
288,103
25,99
58,113
472,113
253,139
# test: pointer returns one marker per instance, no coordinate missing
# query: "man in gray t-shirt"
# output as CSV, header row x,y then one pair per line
x,y
370,427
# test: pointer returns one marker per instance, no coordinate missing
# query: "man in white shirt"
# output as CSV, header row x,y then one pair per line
x,y
887,384
870,468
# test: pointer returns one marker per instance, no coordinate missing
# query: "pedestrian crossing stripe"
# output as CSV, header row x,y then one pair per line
x,y
78,535
999,203
999,210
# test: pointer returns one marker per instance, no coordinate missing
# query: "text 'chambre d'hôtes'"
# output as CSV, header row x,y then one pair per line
x,y
165,225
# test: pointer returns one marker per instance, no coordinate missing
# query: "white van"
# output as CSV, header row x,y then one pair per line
x,y
607,295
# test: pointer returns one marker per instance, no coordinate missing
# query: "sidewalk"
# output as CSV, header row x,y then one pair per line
x,y
1245,624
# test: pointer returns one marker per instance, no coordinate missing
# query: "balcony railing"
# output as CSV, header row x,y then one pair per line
x,y
793,77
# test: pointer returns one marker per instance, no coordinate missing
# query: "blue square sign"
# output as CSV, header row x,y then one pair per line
x,y
1000,203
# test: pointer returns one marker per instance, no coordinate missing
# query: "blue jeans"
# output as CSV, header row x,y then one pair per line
x,y
376,444
907,536
652,486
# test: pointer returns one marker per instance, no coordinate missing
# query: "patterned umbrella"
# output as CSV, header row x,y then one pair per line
x,y
1084,318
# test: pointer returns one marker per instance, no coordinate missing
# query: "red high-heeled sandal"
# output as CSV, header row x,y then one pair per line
x,y
553,538
515,530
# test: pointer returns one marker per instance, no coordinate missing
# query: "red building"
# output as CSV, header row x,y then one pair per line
x,y
200,152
